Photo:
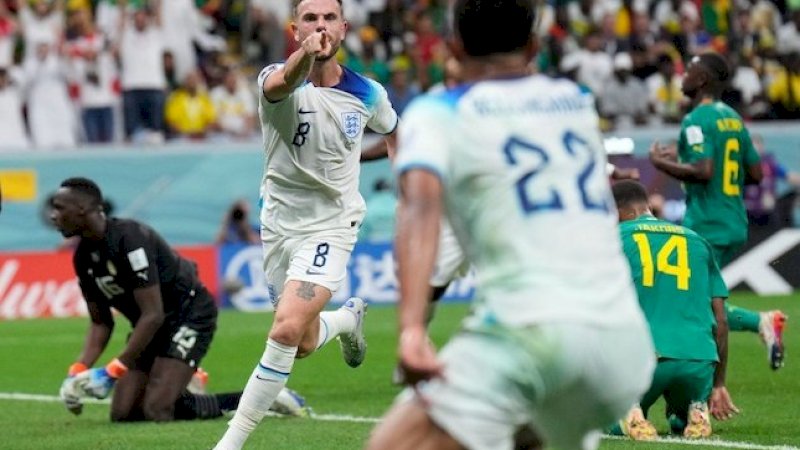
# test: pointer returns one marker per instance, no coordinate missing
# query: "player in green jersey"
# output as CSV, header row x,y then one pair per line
x,y
682,295
715,159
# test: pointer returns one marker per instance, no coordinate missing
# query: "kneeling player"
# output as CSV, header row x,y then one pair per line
x,y
683,296
126,265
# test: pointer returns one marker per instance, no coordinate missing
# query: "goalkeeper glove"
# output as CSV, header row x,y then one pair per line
x,y
71,391
99,382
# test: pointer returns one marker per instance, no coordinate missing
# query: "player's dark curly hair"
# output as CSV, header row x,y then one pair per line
x,y
629,192
85,187
488,27
717,69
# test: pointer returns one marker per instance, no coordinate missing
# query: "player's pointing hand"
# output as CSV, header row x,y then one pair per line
x,y
317,44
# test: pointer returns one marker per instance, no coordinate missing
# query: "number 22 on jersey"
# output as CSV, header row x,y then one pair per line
x,y
680,269
576,148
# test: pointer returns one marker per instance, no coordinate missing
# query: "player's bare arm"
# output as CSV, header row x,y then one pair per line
x,y
720,402
100,329
418,218
664,160
279,84
148,299
382,149
754,173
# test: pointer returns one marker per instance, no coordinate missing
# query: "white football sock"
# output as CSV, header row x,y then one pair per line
x,y
334,323
267,380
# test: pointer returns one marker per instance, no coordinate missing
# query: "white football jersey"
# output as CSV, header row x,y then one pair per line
x,y
312,144
523,168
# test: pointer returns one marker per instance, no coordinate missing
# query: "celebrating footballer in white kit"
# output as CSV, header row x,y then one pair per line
x,y
313,113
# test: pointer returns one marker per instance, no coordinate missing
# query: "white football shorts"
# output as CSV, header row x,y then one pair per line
x,y
319,258
451,262
565,381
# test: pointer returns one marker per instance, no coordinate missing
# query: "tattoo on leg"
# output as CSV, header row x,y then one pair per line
x,y
306,290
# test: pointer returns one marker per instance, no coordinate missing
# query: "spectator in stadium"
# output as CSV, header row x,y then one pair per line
x,y
236,226
500,372
235,106
625,98
788,35
51,115
391,24
94,77
427,49
783,88
141,54
748,88
184,34
642,33
688,326
126,265
42,22
107,18
595,66
313,114
189,111
13,135
714,192
366,61
402,89
263,33
452,76
664,87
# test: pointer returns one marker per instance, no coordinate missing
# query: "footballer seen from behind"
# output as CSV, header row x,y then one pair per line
x,y
682,294
517,162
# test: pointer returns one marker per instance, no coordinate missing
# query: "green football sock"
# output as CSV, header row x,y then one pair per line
x,y
740,319
615,430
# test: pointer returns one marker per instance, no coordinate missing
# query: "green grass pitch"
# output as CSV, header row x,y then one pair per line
x,y
35,355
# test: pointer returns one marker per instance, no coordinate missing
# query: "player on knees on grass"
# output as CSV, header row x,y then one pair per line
x,y
715,159
682,294
555,322
125,265
313,113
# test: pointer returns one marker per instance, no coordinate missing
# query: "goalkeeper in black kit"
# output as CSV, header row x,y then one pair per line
x,y
126,265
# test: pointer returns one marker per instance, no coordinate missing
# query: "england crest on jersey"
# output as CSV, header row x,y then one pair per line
x,y
351,124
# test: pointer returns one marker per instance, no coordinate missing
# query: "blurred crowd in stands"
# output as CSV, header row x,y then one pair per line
x,y
146,71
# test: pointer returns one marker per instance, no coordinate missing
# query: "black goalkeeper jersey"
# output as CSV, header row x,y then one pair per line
x,y
132,255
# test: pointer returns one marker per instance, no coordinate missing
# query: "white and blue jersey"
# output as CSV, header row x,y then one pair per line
x,y
523,169
312,144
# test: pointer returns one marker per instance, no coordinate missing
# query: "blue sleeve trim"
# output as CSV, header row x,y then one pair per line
x,y
418,165
358,86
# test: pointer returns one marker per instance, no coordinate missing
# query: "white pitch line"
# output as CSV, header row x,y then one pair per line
x,y
712,443
357,419
44,398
